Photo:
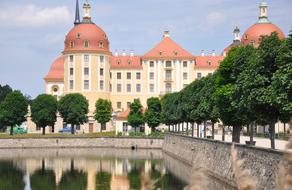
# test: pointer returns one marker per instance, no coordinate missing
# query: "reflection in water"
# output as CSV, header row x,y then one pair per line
x,y
92,169
88,172
11,178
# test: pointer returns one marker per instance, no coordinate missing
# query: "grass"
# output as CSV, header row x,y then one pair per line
x,y
87,135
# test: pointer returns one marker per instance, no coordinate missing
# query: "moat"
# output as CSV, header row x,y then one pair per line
x,y
92,169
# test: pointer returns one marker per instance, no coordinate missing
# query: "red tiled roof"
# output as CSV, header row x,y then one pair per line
x,y
56,72
166,49
125,62
124,114
208,61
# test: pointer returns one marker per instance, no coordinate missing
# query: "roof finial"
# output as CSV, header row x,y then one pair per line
x,y
86,9
77,15
263,18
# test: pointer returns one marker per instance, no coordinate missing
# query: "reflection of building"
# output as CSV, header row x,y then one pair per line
x,y
88,66
115,169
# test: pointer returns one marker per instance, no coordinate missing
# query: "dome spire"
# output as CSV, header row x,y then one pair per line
x,y
263,18
236,33
77,15
86,9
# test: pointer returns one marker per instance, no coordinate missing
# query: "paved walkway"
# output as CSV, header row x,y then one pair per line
x,y
260,142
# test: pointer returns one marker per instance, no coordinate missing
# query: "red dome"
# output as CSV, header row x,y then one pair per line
x,y
86,37
56,72
253,34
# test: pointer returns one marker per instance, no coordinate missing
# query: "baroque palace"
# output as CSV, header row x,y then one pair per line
x,y
88,66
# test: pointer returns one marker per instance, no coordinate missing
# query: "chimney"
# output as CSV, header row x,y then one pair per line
x,y
124,53
166,34
116,52
203,52
132,53
224,53
213,53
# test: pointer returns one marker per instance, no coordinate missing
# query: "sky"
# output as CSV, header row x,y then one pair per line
x,y
33,31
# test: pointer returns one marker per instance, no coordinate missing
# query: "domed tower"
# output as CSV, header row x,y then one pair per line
x,y
86,59
262,28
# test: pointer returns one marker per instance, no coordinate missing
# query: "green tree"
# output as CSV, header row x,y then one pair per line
x,y
73,109
4,90
135,117
103,111
13,110
44,110
153,113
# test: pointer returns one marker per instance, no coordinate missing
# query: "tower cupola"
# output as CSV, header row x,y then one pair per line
x,y
86,12
263,18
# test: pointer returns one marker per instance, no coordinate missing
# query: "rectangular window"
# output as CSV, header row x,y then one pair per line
x,y
185,85
199,75
168,64
103,126
71,71
151,63
128,104
125,126
185,76
111,75
128,76
209,73
119,75
101,72
168,75
185,64
86,71
138,76
71,58
101,85
111,87
119,87
168,87
119,105
151,76
86,84
86,58
101,59
138,87
71,84
151,87
78,127
128,87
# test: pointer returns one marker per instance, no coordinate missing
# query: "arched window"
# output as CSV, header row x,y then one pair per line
x,y
71,44
86,44
100,45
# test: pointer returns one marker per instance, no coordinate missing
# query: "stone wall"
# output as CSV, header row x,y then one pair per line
x,y
144,143
214,157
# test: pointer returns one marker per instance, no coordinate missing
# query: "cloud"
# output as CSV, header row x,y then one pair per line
x,y
34,16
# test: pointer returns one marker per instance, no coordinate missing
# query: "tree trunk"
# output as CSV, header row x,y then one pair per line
x,y
43,165
198,130
264,128
178,127
272,134
53,128
251,133
100,127
168,128
72,165
223,133
11,130
236,134
284,128
44,130
72,129
247,129
205,129
193,129
187,129
213,131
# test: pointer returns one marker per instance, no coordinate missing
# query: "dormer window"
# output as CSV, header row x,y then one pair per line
x,y
100,45
252,42
71,44
209,62
78,36
118,62
160,52
86,44
246,37
129,62
175,53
